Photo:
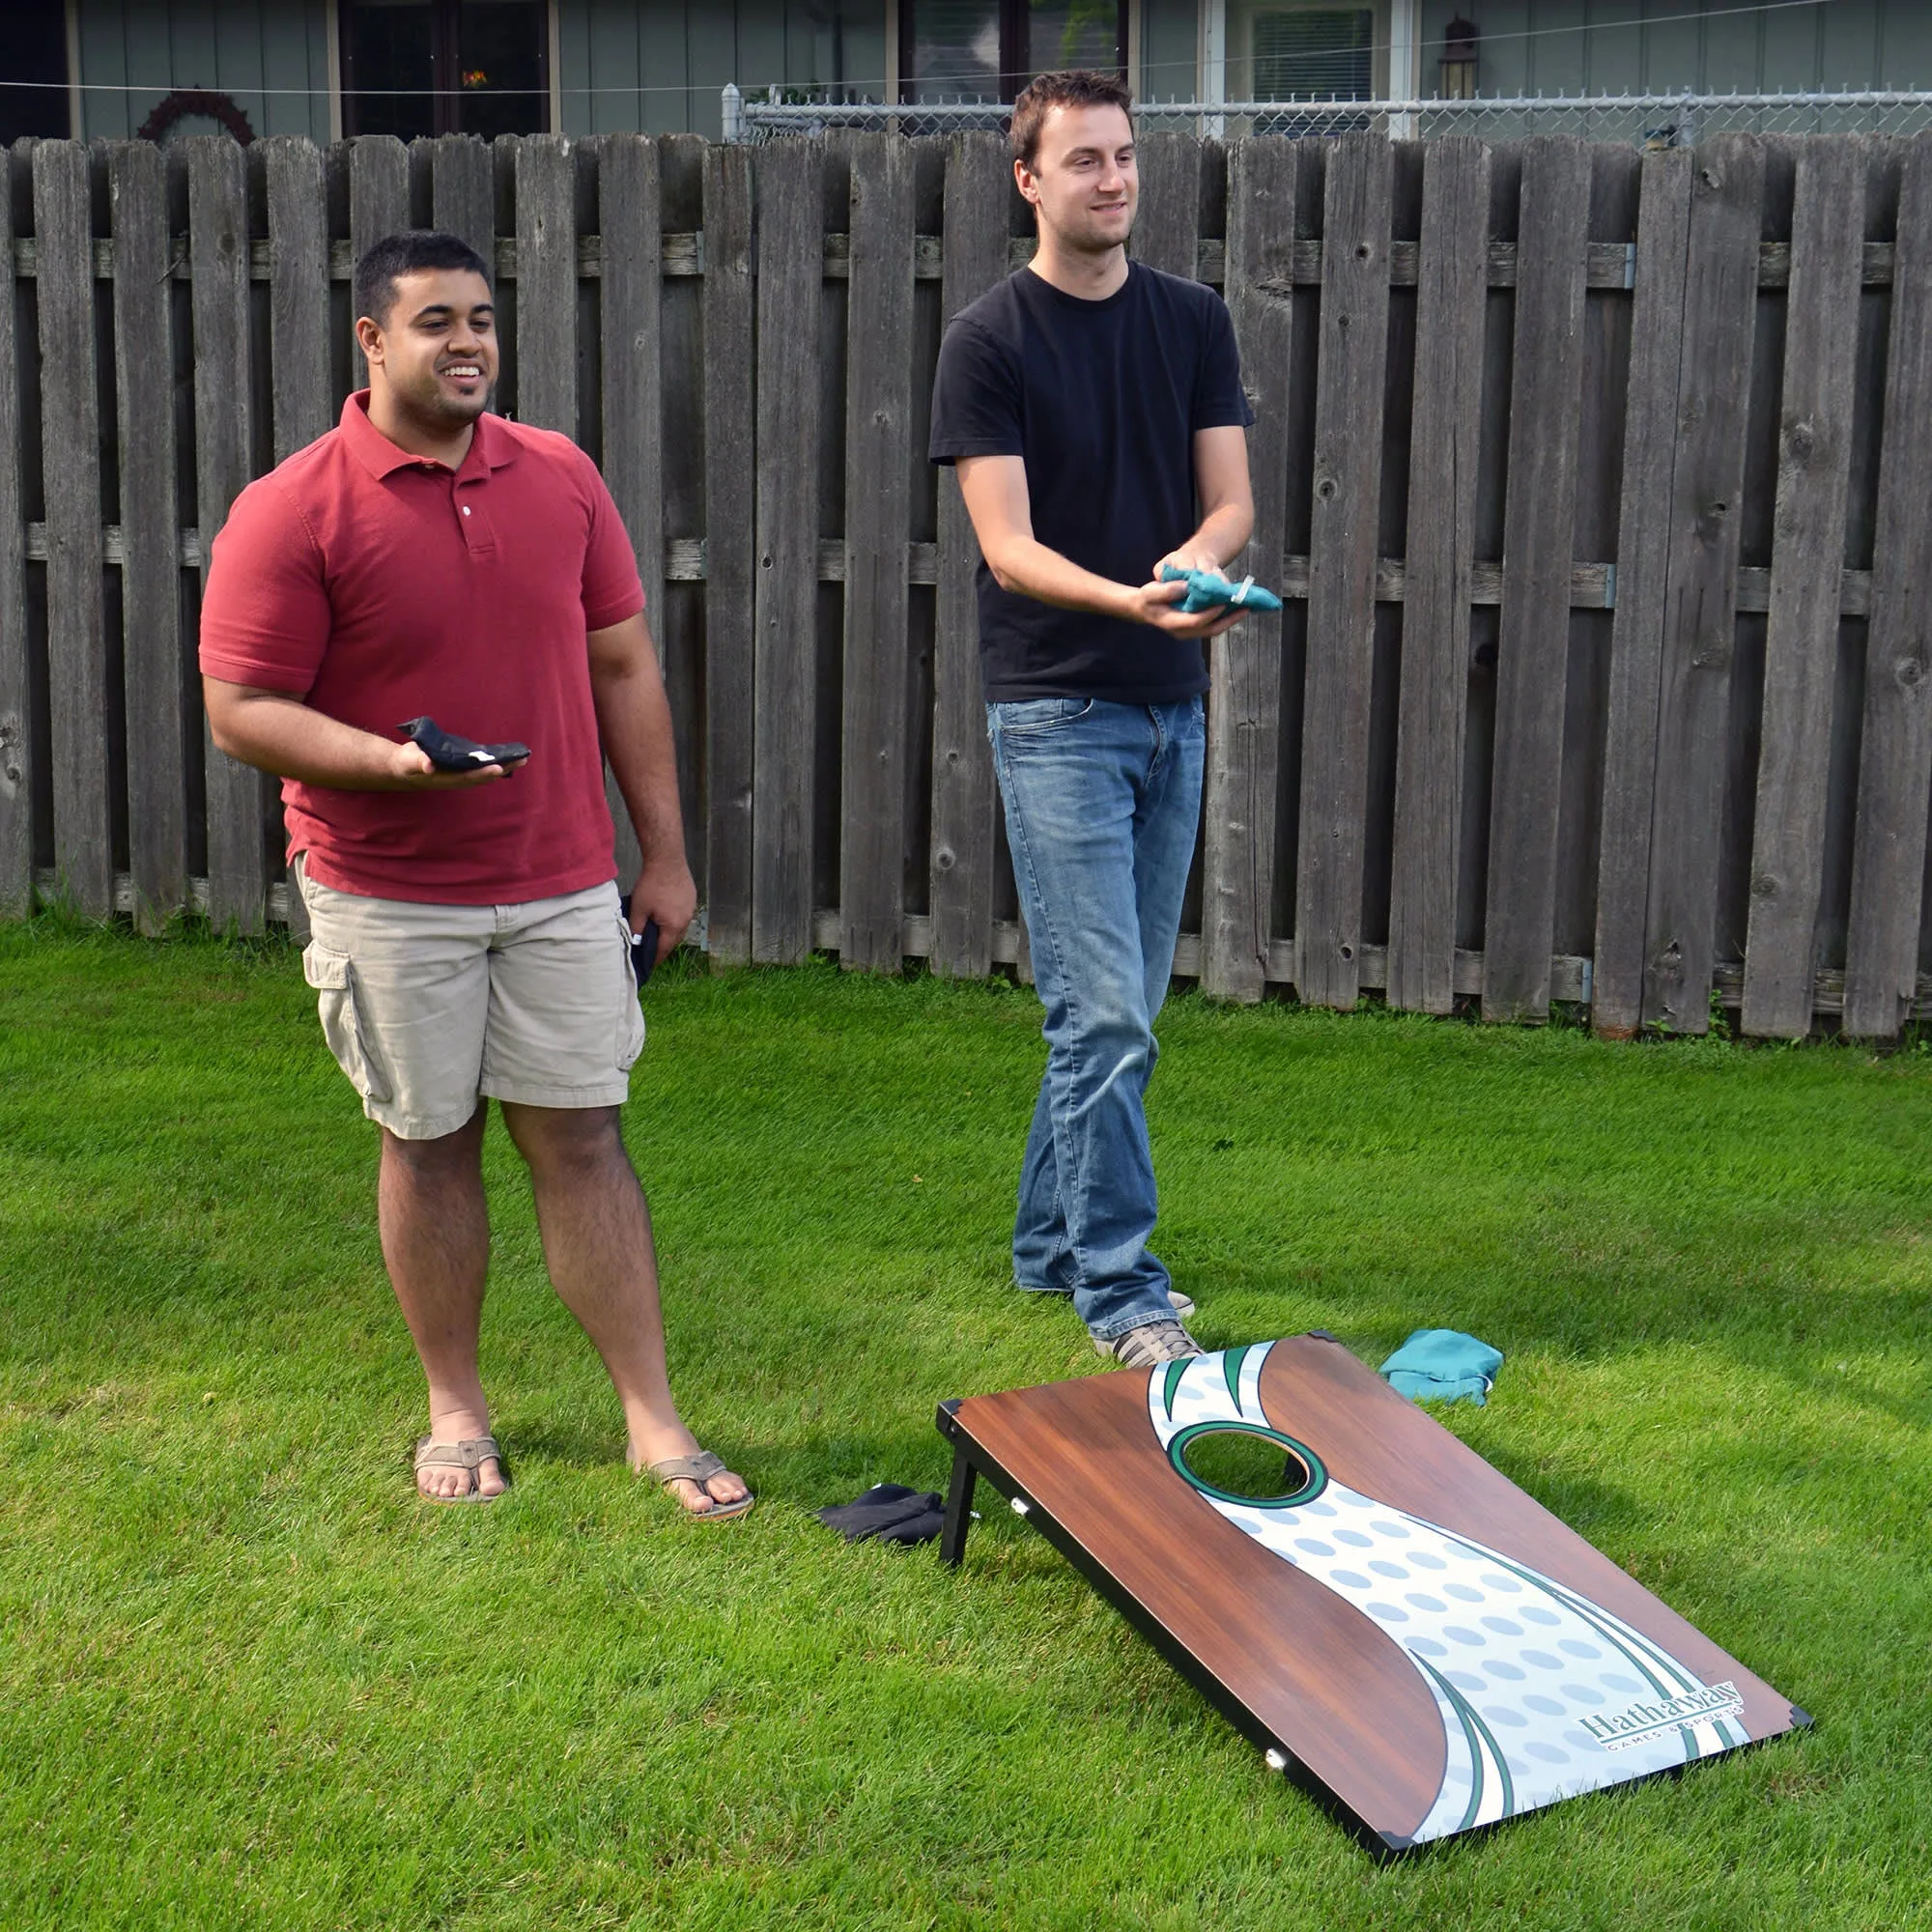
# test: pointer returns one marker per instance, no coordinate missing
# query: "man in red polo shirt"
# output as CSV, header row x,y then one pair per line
x,y
425,557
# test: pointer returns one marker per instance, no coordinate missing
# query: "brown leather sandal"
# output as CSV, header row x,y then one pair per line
x,y
698,1470
469,1455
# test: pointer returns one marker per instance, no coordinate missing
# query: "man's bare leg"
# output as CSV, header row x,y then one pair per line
x,y
436,1240
597,1244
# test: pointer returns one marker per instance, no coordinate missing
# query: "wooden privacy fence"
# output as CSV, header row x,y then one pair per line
x,y
1599,486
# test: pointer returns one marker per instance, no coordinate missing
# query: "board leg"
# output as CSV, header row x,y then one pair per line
x,y
958,1506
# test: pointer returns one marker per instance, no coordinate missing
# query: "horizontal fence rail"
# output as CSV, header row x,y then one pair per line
x,y
1590,477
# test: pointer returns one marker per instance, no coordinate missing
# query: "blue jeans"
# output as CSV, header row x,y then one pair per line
x,y
1103,802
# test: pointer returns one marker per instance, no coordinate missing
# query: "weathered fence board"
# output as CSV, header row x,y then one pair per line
x,y
298,335
219,255
546,341
631,335
379,204
151,639
680,635
1882,949
977,184
730,464
1389,743
791,269
298,359
1533,648
70,461
1643,586
1809,553
1699,624
1353,334
1167,227
1243,744
299,293
17,790
1451,293
879,388
463,192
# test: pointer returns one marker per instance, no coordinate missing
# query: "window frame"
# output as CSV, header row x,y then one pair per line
x,y
1015,45
1240,82
445,101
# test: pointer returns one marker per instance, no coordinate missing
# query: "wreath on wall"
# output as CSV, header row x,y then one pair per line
x,y
185,103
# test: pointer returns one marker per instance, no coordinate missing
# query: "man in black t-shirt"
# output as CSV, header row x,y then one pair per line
x,y
1095,412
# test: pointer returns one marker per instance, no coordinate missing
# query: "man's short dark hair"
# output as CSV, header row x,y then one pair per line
x,y
1073,87
405,254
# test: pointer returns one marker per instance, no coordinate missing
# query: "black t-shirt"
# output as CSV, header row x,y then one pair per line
x,y
1102,399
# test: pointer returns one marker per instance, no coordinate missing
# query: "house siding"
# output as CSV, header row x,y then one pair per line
x,y
1531,47
660,66
662,69
273,57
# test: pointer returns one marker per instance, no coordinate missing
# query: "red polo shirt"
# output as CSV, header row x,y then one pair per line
x,y
378,586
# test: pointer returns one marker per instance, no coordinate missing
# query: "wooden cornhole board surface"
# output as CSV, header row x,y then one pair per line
x,y
1405,1631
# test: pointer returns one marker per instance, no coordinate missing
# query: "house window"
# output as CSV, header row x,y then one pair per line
x,y
989,50
37,53
445,67
1302,53
835,50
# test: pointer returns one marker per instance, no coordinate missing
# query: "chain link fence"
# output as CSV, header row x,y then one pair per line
x,y
1642,120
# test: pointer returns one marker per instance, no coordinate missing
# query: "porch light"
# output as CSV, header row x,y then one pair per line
x,y
1459,61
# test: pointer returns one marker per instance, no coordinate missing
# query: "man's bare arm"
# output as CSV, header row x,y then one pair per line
x,y
1227,500
278,733
995,489
634,719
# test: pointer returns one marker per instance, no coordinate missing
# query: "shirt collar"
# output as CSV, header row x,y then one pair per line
x,y
492,447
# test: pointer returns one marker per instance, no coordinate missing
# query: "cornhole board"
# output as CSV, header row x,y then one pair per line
x,y
1402,1630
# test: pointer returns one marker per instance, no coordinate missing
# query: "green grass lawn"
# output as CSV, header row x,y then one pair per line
x,y
245,1679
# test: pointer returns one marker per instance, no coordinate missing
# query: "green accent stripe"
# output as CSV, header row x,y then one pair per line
x,y
1593,1614
1231,1367
1175,1371
1502,1763
1464,1716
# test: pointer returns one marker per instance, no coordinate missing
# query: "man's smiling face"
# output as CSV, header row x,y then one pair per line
x,y
436,350
1084,180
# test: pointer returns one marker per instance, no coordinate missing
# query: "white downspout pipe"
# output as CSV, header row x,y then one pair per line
x,y
1213,64
1404,72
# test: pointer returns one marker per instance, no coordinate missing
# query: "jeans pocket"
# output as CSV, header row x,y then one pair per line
x,y
1025,716
332,975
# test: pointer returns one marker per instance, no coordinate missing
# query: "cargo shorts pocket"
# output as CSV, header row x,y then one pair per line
x,y
332,975
630,1009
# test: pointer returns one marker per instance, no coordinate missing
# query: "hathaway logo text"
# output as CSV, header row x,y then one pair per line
x,y
1618,1730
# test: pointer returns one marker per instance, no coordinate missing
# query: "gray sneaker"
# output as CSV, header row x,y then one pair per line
x,y
1151,1345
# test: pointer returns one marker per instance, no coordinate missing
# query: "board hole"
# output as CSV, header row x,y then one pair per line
x,y
1242,1462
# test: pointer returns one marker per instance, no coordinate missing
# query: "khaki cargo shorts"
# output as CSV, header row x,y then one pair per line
x,y
427,1008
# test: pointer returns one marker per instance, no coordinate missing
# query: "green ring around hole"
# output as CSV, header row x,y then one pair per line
x,y
1318,1474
